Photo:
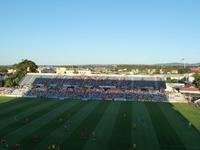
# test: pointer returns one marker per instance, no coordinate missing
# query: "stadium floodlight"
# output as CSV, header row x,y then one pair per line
x,y
184,65
183,59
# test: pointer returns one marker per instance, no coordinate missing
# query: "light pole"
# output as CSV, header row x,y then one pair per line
x,y
183,59
184,65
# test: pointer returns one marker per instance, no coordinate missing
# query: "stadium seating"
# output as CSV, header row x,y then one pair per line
x,y
98,83
94,87
6,91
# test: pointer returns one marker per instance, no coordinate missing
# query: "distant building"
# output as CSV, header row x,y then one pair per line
x,y
100,70
61,70
161,71
10,71
151,71
134,71
175,85
174,71
196,71
70,71
46,70
175,76
190,90
39,70
84,72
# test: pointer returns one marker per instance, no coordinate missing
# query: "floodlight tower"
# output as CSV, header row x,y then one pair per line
x,y
184,65
183,59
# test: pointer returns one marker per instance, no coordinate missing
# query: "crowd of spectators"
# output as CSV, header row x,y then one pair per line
x,y
96,94
6,90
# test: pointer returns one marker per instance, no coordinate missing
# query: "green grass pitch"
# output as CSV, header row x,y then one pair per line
x,y
97,125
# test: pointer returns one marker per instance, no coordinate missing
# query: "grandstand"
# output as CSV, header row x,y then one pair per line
x,y
99,87
28,80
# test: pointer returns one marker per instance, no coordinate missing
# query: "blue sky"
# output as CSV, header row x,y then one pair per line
x,y
99,31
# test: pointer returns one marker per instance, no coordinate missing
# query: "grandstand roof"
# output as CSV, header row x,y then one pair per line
x,y
196,71
190,90
129,77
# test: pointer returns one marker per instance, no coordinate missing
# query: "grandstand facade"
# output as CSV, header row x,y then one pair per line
x,y
94,87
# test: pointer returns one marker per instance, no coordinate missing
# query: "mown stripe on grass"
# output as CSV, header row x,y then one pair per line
x,y
11,105
23,111
28,143
189,135
60,134
143,134
104,129
15,109
87,126
33,113
19,134
165,132
190,112
121,133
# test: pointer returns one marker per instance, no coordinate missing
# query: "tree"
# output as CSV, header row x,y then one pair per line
x,y
9,82
25,66
197,80
183,80
157,71
22,69
183,70
3,70
75,71
168,80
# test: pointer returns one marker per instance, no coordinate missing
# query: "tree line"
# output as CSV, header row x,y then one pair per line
x,y
19,71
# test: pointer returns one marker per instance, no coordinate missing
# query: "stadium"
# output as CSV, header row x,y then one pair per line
x,y
99,75
54,111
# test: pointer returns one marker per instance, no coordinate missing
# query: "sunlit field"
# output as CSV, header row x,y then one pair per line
x,y
97,125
